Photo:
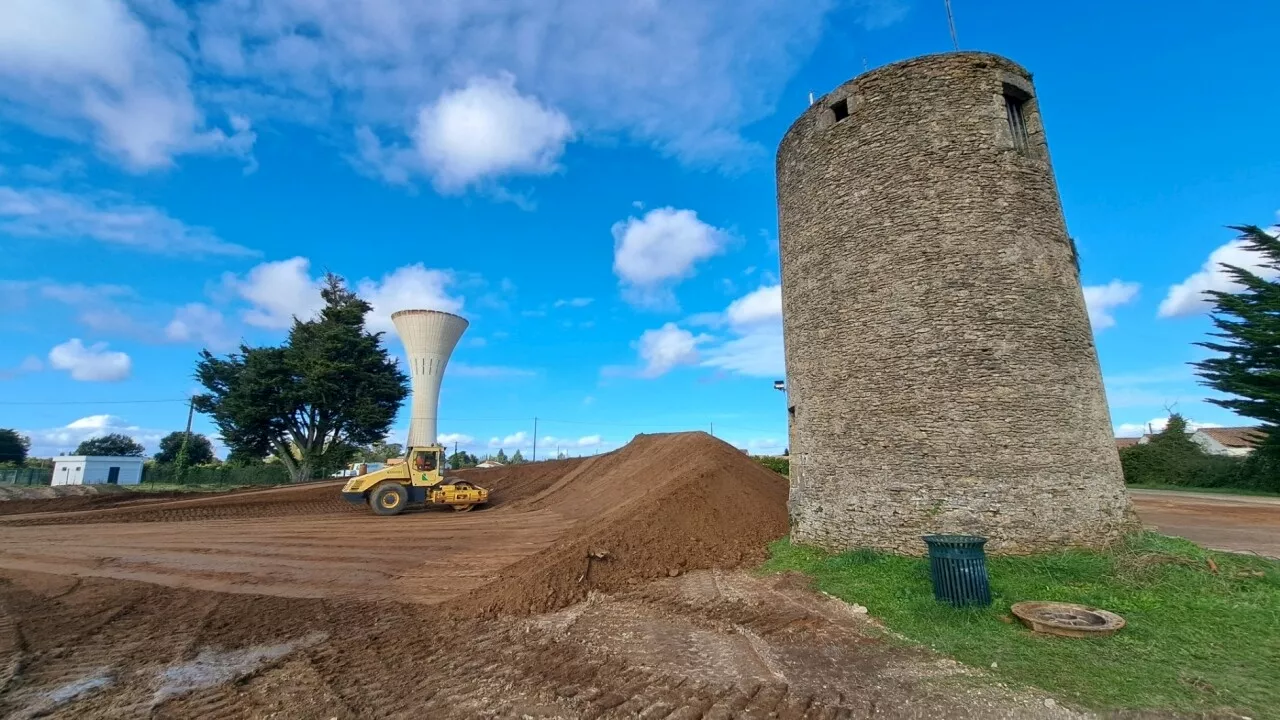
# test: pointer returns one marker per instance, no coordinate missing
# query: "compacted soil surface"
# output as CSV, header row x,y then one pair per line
x,y
1238,523
600,587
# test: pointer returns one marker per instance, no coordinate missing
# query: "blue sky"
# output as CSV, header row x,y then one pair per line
x,y
591,184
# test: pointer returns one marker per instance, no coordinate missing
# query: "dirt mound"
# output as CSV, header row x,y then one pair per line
x,y
83,501
661,505
516,482
310,499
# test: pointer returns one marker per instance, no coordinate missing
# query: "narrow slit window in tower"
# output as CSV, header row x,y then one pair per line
x,y
1014,102
840,109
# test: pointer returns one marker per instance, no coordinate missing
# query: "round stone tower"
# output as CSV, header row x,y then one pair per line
x,y
941,372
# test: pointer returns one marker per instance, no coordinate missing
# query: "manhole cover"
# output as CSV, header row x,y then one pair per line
x,y
1067,619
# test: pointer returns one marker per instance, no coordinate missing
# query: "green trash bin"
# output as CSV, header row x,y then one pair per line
x,y
958,568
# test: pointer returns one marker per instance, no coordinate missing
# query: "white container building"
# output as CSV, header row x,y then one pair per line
x,y
96,470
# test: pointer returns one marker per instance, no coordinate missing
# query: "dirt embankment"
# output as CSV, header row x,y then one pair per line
x,y
662,505
289,603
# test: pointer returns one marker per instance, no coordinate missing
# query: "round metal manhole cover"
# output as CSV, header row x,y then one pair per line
x,y
1067,619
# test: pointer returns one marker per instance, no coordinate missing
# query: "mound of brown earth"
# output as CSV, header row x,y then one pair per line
x,y
515,482
82,501
661,505
308,499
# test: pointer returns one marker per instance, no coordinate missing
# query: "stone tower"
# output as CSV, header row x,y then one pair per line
x,y
941,372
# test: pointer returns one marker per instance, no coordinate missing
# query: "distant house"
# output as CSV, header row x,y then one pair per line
x,y
96,470
490,464
1122,443
1232,441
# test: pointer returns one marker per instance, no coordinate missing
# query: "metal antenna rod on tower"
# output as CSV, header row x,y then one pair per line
x,y
951,22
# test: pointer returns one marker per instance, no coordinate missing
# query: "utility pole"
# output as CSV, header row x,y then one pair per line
x,y
535,440
713,429
455,453
186,439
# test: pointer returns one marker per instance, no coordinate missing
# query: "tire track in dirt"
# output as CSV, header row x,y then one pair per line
x,y
437,615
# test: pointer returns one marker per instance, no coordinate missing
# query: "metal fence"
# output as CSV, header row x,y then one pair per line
x,y
26,476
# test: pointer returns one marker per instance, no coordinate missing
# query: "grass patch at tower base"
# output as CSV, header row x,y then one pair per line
x,y
1203,629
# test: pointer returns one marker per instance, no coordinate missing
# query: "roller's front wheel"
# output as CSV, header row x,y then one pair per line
x,y
388,499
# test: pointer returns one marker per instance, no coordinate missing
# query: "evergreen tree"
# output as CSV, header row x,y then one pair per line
x,y
199,449
13,447
1248,323
517,458
112,445
501,456
311,403
462,459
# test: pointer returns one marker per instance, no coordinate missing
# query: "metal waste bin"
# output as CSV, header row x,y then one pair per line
x,y
958,567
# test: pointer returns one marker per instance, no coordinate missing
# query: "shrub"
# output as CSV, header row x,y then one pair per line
x,y
1171,457
780,465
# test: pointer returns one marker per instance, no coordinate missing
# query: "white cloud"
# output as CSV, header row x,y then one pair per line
x,y
44,213
378,60
483,131
667,347
75,67
761,306
278,291
551,442
94,363
1156,425
408,287
1188,298
660,249
752,348
1102,299
56,441
756,354
574,302
450,439
29,364
757,351
515,440
199,323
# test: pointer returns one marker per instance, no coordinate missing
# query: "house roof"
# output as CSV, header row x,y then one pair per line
x,y
1236,437
1126,442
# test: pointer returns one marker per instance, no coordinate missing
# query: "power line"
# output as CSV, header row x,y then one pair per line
x,y
91,402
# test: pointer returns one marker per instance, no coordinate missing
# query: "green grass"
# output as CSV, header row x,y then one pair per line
x,y
1216,491
1196,640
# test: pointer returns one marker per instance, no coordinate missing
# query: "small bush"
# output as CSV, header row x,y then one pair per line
x,y
1171,457
780,465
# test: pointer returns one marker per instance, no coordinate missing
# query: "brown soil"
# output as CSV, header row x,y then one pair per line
x,y
82,502
1236,523
289,603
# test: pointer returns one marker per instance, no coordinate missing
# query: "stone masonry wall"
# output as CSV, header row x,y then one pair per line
x,y
940,365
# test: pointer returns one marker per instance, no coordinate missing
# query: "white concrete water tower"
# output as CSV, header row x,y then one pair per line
x,y
429,337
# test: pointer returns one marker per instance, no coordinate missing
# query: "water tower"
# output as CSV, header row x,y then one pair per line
x,y
429,337
941,370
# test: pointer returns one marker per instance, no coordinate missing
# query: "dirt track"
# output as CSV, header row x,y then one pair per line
x,y
1222,522
322,610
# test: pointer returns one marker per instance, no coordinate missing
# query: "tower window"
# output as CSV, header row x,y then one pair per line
x,y
840,109
1015,102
